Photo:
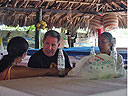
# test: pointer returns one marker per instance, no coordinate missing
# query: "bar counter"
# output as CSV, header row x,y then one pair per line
x,y
67,86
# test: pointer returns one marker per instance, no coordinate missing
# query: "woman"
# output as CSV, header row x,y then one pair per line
x,y
17,50
105,44
102,65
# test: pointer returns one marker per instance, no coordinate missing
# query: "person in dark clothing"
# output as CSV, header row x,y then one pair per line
x,y
16,52
47,56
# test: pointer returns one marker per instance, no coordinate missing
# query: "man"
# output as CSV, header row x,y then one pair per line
x,y
47,56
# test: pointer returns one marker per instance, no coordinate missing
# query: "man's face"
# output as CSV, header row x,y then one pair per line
x,y
104,44
50,45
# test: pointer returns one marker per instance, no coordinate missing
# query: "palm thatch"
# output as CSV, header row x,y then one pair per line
x,y
69,14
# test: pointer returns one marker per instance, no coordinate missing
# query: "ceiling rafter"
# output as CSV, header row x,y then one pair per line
x,y
124,3
116,5
56,9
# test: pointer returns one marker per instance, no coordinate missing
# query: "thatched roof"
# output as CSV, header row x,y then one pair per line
x,y
60,13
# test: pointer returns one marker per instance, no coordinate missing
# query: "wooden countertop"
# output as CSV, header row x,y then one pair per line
x,y
56,86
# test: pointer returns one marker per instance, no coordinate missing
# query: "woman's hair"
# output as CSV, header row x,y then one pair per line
x,y
15,48
108,36
52,33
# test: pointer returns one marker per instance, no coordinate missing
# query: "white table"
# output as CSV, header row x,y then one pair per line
x,y
67,86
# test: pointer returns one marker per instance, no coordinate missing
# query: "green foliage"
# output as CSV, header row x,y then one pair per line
x,y
17,28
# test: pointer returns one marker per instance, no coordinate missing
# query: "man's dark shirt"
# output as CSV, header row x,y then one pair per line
x,y
40,60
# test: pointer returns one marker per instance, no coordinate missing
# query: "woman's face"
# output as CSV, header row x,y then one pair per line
x,y
104,44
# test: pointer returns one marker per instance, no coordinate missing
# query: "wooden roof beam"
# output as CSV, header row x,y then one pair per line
x,y
5,3
66,5
50,0
47,5
42,1
125,10
58,6
67,11
78,6
71,7
54,10
124,3
32,0
109,6
19,9
77,11
37,4
26,3
116,4
74,2
101,8
15,3
86,3
57,1
21,4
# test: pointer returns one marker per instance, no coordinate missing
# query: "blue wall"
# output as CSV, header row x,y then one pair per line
x,y
82,51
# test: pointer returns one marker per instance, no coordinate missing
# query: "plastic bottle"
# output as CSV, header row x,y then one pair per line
x,y
92,52
61,63
114,53
1,48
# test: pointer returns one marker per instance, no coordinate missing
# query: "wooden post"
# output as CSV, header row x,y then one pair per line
x,y
37,32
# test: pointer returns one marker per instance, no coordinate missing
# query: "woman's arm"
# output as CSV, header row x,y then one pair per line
x,y
119,66
24,72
